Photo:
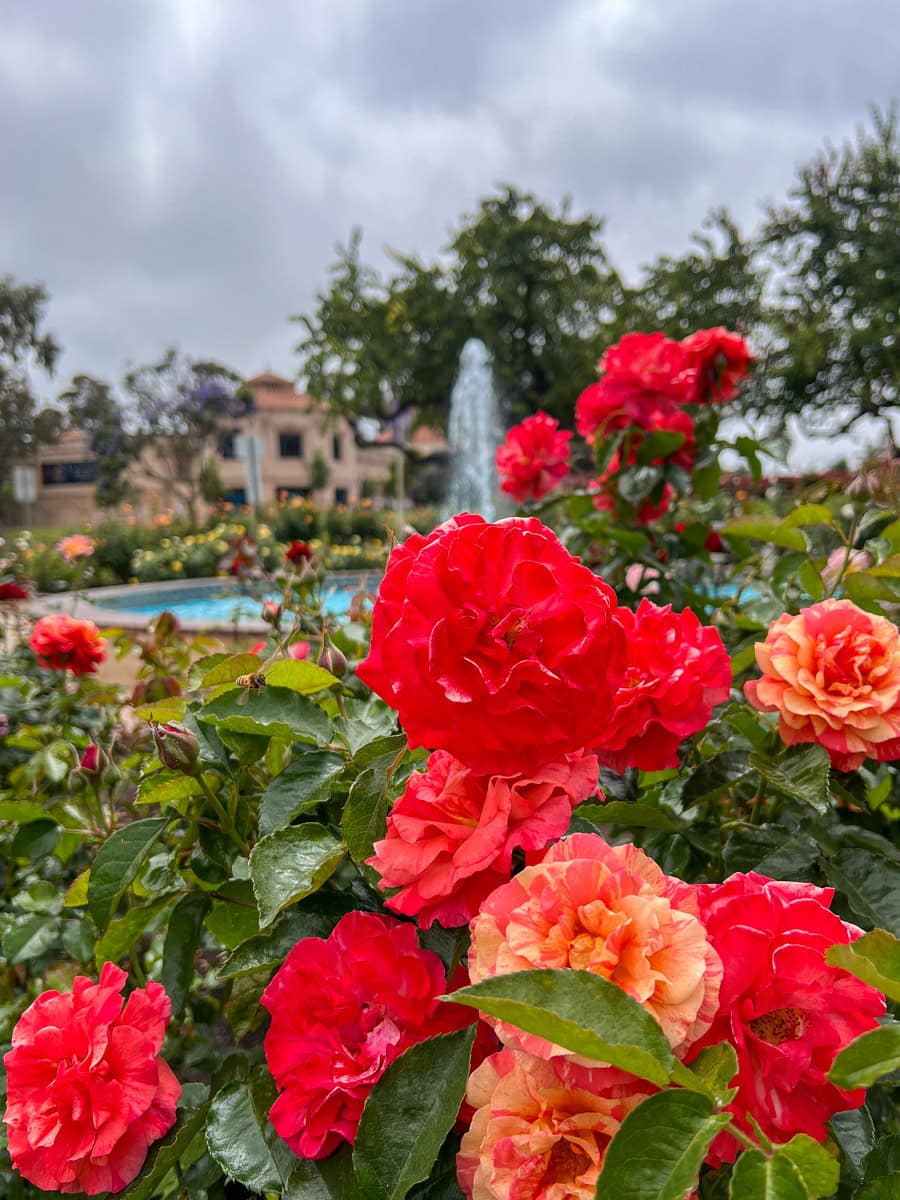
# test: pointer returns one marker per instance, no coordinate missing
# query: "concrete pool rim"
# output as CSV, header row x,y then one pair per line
x,y
87,603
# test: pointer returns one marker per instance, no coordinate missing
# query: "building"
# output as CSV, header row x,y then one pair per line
x,y
299,441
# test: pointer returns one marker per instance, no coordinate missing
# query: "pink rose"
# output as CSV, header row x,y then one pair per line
x,y
540,1129
832,673
609,910
451,835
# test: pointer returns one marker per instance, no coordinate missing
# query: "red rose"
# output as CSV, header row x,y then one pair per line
x,y
451,835
712,543
677,671
342,1010
684,457
534,458
66,644
299,552
721,360
783,1008
87,1090
643,376
493,642
13,591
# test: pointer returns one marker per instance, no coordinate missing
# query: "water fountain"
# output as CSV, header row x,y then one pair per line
x,y
474,433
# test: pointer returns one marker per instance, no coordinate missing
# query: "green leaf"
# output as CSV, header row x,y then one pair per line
x,y
871,882
802,773
182,939
302,785
819,1171
756,1177
272,712
21,811
169,708
408,1114
290,864
715,776
328,1178
770,850
634,484
580,1011
117,863
242,1141
233,917
76,896
303,677
226,670
79,937
169,791
29,937
882,1171
873,958
165,1154
867,1058
855,1134
705,480
364,819
621,812
749,447
714,1067
765,529
122,934
812,581
266,951
809,514
659,1148
659,444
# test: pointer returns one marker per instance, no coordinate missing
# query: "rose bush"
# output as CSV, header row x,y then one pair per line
x,y
511,887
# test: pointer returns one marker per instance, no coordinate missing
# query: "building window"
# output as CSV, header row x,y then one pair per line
x,y
236,496
290,445
337,447
340,495
54,474
290,493
227,444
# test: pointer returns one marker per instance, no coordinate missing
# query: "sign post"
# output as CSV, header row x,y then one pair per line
x,y
25,489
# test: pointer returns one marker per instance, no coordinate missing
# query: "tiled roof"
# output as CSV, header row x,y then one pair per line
x,y
268,379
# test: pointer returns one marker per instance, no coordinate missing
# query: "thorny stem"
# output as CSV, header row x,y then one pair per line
x,y
227,825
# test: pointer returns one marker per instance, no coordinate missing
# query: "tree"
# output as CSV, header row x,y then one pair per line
x,y
93,407
837,246
178,404
23,344
375,348
537,288
535,285
719,282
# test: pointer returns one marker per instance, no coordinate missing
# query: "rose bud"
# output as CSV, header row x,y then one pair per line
x,y
4,725
332,659
271,612
177,748
92,760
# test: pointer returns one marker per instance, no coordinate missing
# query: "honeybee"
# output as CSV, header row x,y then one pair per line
x,y
255,681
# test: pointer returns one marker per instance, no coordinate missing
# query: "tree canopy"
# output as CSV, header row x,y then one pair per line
x,y
837,248
536,285
24,345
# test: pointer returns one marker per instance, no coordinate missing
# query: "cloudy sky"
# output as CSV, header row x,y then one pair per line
x,y
179,171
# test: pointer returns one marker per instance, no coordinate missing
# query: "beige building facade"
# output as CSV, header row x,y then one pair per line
x,y
296,437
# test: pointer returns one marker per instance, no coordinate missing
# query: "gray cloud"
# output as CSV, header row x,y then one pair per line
x,y
179,171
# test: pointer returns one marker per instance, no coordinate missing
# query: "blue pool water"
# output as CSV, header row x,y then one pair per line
x,y
226,605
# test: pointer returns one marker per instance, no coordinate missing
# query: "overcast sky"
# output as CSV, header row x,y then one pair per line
x,y
179,171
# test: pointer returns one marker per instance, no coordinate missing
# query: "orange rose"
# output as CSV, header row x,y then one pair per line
x,y
540,1129
609,910
832,673
76,545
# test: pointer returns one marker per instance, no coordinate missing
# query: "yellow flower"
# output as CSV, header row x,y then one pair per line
x,y
166,543
176,565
